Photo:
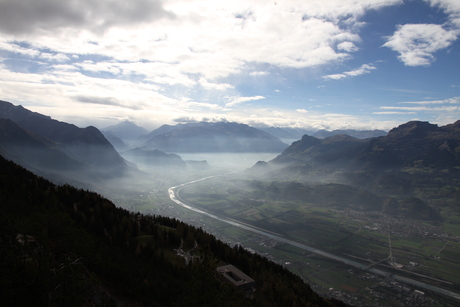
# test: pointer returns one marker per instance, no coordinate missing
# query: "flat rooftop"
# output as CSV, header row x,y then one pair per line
x,y
235,276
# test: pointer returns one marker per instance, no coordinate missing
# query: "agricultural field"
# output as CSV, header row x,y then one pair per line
x,y
427,251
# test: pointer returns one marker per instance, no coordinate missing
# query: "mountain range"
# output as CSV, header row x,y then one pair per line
x,y
211,137
359,134
413,144
45,145
126,131
289,135
216,137
413,171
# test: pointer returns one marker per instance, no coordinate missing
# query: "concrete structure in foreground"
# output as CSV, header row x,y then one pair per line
x,y
230,274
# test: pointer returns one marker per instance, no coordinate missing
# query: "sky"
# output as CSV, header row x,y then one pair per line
x,y
316,64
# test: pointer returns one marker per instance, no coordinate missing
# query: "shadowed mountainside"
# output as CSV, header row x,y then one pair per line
x,y
61,246
411,144
87,146
413,171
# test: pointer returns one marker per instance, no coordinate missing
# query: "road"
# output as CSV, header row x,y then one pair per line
x,y
174,195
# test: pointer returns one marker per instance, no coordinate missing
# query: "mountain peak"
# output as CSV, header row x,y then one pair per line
x,y
126,130
412,129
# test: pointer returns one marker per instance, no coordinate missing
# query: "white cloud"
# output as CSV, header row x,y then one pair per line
x,y
59,57
454,100
416,43
363,69
436,109
243,99
215,86
16,48
452,8
148,58
393,113
347,46
203,37
424,108
259,73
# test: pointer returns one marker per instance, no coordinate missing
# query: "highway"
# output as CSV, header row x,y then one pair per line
x,y
174,196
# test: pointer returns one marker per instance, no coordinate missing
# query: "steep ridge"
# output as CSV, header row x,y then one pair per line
x,y
33,151
87,145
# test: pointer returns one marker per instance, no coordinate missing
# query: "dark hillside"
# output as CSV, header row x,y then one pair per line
x,y
60,246
87,145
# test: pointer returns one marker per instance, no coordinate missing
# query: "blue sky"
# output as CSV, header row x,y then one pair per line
x,y
317,64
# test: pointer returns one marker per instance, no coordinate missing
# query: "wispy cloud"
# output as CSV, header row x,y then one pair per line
x,y
433,107
454,100
214,86
393,113
240,100
363,69
424,108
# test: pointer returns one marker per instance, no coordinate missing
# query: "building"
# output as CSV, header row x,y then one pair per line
x,y
236,278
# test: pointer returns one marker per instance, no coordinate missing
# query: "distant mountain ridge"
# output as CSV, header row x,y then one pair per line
x,y
212,137
126,131
359,134
414,169
84,148
286,133
154,158
290,134
413,143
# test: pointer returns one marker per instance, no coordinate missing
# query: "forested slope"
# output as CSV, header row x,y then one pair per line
x,y
60,246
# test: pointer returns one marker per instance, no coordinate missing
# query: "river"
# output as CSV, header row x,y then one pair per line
x,y
174,195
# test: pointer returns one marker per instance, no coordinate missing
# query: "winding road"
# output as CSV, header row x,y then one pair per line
x,y
174,196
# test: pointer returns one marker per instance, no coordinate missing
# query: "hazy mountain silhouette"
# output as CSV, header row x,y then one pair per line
x,y
212,137
359,134
288,134
31,150
126,130
154,158
86,145
116,142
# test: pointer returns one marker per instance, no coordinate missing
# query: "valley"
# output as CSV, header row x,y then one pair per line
x,y
341,254
367,221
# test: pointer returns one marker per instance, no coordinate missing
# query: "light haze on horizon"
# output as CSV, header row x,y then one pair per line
x,y
317,64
